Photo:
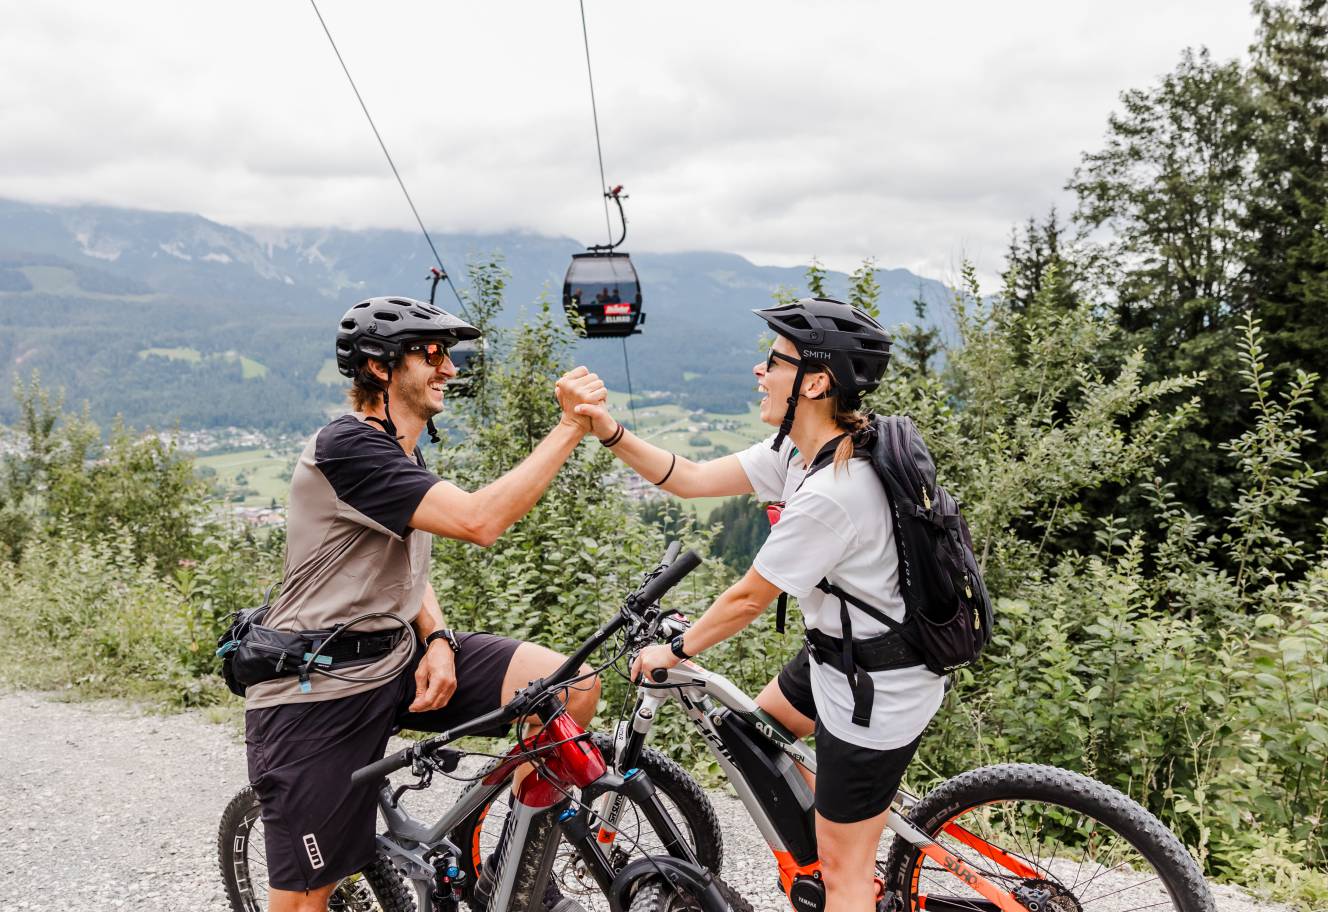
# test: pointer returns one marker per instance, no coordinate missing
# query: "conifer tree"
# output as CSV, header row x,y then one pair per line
x,y
1287,214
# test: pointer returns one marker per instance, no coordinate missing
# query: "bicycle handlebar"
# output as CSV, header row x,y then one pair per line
x,y
654,590
671,553
675,568
380,768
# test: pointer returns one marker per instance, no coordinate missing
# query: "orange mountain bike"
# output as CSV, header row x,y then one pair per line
x,y
1013,838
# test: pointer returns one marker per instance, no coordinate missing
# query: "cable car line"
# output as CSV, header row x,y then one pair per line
x,y
594,112
446,276
616,313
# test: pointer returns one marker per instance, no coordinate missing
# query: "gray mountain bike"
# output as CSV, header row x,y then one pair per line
x,y
572,823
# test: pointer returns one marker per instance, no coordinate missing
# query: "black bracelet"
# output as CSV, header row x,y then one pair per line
x,y
613,438
669,472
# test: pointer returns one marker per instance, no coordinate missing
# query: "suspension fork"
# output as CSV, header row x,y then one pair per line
x,y
584,831
627,755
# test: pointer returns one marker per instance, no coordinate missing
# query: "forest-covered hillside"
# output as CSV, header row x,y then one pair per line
x,y
162,307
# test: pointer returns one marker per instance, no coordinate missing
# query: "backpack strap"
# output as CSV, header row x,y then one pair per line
x,y
830,588
864,689
823,459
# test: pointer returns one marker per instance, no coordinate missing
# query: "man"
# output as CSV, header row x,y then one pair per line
x,y
362,513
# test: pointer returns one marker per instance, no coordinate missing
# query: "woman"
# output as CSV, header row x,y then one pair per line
x,y
834,526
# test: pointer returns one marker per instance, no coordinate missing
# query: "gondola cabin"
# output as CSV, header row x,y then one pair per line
x,y
602,288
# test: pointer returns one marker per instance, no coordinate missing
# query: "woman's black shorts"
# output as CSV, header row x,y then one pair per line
x,y
853,783
317,828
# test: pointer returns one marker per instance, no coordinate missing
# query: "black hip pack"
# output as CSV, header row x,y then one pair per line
x,y
251,653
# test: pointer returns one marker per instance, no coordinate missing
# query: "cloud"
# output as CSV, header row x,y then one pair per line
x,y
777,130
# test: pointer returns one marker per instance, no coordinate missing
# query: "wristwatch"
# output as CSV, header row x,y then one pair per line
x,y
444,633
676,645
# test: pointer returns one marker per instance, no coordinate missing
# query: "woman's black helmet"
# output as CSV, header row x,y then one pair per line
x,y
379,328
839,336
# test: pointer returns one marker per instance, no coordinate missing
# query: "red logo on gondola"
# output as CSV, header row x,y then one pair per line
x,y
617,310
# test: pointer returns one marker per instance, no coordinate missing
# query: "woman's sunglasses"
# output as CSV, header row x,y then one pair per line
x,y
770,360
434,353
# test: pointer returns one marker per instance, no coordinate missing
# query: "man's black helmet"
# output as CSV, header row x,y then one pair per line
x,y
837,335
379,328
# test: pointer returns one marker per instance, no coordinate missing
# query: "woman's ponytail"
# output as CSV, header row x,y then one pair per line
x,y
855,423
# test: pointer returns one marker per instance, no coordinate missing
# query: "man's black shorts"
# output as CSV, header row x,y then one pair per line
x,y
317,828
853,783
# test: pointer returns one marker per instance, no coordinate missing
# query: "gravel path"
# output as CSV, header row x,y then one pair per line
x,y
103,806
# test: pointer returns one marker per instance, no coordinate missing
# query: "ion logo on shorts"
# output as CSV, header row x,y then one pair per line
x,y
311,847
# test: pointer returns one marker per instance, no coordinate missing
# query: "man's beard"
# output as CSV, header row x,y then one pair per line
x,y
414,397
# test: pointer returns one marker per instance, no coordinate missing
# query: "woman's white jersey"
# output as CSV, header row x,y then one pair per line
x,y
837,526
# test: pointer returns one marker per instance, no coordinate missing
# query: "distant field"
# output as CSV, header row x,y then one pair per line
x,y
674,428
249,368
264,471
60,280
328,373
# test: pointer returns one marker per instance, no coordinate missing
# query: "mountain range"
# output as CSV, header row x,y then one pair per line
x,y
171,318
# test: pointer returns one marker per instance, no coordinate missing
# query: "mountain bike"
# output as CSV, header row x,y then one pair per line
x,y
1006,838
572,822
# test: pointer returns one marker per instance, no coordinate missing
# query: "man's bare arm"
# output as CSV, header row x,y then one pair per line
x,y
480,517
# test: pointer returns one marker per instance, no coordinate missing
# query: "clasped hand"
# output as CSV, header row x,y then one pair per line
x,y
579,388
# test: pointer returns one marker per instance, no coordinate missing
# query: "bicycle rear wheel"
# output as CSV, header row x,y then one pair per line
x,y
1060,839
240,850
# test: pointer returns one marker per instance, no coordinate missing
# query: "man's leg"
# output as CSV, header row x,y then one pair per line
x,y
317,828
532,661
292,901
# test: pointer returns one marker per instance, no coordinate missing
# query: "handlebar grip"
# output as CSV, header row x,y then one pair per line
x,y
671,554
672,575
659,675
380,768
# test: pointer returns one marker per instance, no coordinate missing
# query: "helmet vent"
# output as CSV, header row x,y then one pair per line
x,y
422,316
361,304
348,325
845,325
387,315
399,303
797,321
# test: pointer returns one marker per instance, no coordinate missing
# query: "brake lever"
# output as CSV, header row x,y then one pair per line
x,y
423,770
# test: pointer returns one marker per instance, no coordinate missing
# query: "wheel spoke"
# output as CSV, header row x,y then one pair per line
x,y
1067,853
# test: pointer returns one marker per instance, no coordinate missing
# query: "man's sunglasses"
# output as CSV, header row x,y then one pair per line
x,y
434,353
770,360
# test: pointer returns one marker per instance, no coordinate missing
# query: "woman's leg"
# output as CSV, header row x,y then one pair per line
x,y
848,862
788,698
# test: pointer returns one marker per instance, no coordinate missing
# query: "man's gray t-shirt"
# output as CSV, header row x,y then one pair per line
x,y
350,549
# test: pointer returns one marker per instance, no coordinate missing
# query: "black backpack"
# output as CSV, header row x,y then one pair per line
x,y
947,611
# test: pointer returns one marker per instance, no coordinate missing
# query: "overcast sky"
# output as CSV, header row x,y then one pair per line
x,y
913,132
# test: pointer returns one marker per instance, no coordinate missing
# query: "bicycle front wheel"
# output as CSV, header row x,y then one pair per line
x,y
1053,837
241,853
682,797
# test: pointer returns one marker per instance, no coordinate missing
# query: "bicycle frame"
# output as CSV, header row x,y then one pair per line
x,y
730,721
541,815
